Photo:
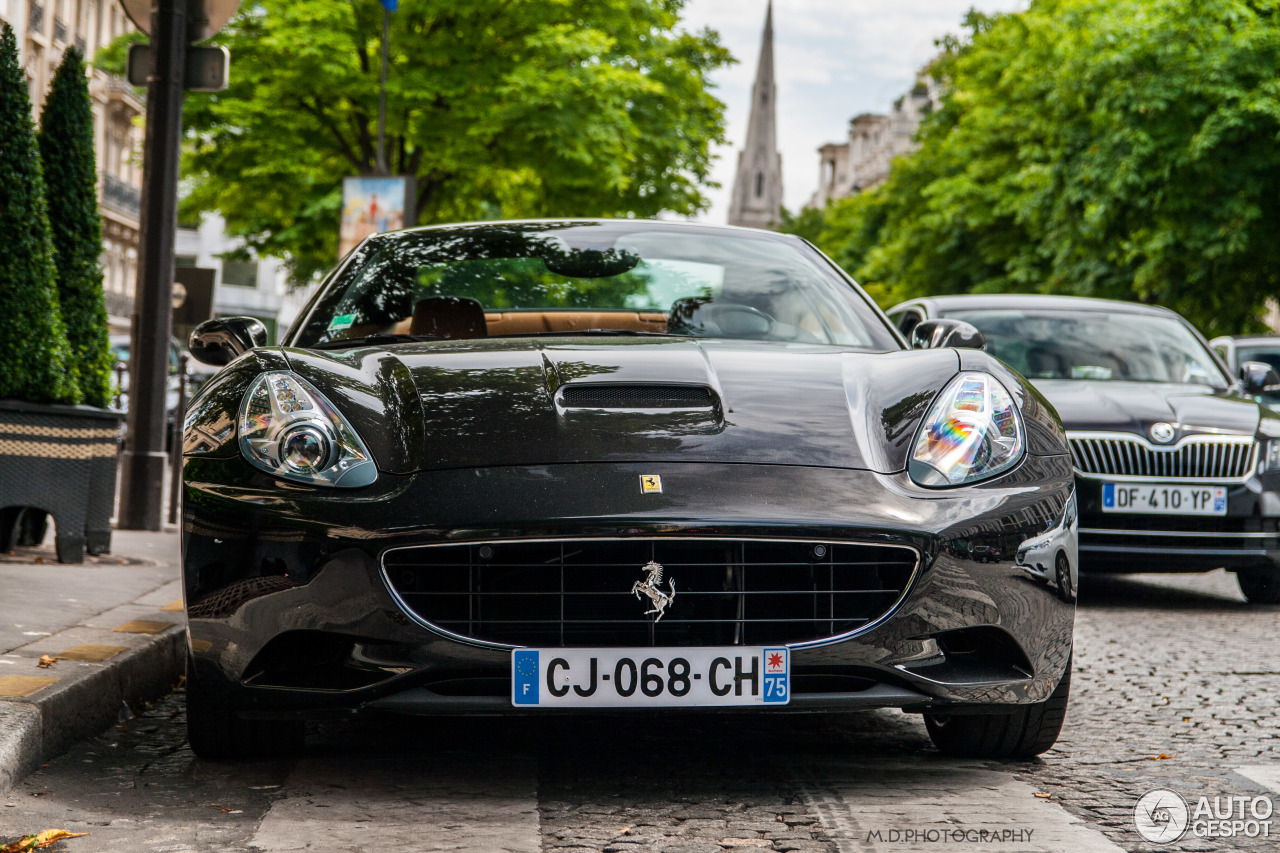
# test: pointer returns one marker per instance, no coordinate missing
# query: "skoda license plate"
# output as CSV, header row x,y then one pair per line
x,y
649,677
1164,500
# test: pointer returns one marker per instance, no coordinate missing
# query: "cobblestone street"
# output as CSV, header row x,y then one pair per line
x,y
1173,688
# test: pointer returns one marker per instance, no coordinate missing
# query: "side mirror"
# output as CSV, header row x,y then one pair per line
x,y
931,334
1258,377
217,342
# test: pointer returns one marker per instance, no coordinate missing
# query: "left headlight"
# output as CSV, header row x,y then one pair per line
x,y
1269,458
288,429
972,433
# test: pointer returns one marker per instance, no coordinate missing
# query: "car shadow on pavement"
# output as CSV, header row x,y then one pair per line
x,y
1204,592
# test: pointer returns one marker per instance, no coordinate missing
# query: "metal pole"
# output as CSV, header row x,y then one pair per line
x,y
175,449
382,96
142,470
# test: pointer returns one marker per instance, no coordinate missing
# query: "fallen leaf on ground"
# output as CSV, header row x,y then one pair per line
x,y
1042,796
46,661
1164,756
222,809
40,840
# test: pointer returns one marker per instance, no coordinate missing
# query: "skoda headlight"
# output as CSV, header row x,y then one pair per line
x,y
973,432
1269,458
288,429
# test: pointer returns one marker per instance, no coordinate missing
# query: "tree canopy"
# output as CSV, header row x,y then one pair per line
x,y
1116,148
499,108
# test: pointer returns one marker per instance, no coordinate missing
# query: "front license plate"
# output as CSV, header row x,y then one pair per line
x,y
1164,500
650,678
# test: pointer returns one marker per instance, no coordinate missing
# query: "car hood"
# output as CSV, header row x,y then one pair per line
x,y
1135,406
458,404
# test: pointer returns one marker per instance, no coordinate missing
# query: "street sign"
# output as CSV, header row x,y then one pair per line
x,y
204,17
207,69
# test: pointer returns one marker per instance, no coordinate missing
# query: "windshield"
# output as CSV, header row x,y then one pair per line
x,y
1061,344
511,279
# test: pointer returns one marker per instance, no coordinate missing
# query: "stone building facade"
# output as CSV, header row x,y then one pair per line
x,y
874,140
44,30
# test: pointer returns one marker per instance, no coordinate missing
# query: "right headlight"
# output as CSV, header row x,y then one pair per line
x,y
288,429
972,433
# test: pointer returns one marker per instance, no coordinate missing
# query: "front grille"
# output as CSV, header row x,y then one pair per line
x,y
579,592
1195,458
1120,532
636,396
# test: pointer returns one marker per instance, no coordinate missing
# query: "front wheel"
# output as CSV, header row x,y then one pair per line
x,y
1062,575
1260,586
1025,732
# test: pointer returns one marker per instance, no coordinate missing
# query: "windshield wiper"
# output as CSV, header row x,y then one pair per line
x,y
595,332
375,340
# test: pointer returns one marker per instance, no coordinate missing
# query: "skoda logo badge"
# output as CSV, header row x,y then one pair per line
x,y
1162,432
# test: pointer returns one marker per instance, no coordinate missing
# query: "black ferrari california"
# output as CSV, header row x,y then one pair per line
x,y
583,466
1177,463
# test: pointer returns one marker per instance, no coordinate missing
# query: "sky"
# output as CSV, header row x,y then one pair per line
x,y
833,59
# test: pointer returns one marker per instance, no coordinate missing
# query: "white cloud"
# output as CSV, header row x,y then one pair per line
x,y
833,59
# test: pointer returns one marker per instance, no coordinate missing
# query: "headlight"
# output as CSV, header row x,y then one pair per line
x,y
973,432
288,429
1269,458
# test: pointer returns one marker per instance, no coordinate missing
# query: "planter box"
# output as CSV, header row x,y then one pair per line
x,y
60,460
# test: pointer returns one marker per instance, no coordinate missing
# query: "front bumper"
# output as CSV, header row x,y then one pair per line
x,y
289,612
1247,536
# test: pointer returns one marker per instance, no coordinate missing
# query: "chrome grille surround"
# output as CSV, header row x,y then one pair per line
x,y
1125,456
452,571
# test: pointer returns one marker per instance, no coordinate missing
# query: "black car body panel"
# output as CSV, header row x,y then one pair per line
x,y
305,601
1204,419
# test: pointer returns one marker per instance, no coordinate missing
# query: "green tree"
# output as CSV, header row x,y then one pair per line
x,y
66,149
499,108
33,341
1116,148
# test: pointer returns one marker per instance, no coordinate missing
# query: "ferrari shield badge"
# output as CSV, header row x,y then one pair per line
x,y
650,484
652,587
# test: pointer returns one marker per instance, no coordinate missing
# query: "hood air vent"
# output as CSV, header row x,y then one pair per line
x,y
636,397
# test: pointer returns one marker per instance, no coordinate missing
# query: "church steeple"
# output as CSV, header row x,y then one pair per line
x,y
757,189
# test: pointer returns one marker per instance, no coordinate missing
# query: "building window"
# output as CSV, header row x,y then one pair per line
x,y
184,261
759,184
240,273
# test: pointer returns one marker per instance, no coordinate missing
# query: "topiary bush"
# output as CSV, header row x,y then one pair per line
x,y
70,179
34,357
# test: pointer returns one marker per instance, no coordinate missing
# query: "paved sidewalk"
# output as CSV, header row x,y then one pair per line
x,y
114,627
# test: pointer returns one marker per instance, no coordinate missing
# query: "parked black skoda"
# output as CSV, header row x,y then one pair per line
x,y
1177,465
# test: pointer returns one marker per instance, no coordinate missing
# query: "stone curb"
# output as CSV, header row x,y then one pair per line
x,y
86,699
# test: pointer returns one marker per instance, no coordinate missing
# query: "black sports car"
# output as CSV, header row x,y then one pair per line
x,y
538,467
1177,465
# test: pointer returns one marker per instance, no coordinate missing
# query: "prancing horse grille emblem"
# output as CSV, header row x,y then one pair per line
x,y
651,587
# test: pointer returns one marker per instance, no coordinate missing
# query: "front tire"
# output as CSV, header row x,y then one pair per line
x,y
215,733
1025,732
1062,574
1260,586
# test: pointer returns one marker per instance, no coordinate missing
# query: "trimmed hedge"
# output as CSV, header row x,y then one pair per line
x,y
70,179
34,353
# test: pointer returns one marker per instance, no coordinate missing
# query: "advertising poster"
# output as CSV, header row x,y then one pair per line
x,y
371,206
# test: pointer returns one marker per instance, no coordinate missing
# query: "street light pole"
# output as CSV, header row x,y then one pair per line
x,y
142,471
382,95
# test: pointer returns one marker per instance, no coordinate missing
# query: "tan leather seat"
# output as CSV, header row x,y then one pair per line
x,y
448,317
